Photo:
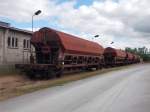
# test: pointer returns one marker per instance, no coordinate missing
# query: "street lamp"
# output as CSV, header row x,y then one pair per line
x,y
31,55
35,14
112,42
95,36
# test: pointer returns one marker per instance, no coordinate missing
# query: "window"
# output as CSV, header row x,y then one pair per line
x,y
9,41
16,43
27,43
12,42
29,46
24,43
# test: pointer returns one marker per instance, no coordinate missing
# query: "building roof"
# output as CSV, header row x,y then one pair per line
x,y
7,26
70,43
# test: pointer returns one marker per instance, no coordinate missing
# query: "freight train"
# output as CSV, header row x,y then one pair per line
x,y
57,53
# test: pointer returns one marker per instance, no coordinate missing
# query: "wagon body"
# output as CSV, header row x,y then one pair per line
x,y
68,43
62,52
114,56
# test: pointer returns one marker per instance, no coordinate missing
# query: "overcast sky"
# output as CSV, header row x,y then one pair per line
x,y
126,22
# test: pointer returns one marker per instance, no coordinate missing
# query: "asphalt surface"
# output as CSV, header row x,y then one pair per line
x,y
126,90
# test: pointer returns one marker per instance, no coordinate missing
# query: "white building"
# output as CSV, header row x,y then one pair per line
x,y
14,45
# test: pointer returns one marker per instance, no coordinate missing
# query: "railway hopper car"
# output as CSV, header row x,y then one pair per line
x,y
130,58
57,52
114,57
137,58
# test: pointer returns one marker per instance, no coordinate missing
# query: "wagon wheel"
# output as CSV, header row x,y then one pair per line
x,y
50,74
59,73
30,74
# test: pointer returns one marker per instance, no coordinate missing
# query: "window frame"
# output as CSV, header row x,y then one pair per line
x,y
16,42
9,41
12,42
26,44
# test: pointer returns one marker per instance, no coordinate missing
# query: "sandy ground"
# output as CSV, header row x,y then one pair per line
x,y
8,84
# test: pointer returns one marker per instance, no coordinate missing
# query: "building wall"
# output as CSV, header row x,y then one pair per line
x,y
10,52
1,44
21,53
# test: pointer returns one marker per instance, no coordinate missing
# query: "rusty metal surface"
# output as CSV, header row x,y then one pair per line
x,y
33,66
130,56
36,38
69,43
115,52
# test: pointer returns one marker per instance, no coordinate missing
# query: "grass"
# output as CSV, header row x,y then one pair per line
x,y
38,85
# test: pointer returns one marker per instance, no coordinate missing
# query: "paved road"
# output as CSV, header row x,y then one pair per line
x,y
125,90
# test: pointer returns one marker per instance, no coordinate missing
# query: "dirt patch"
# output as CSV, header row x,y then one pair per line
x,y
10,83
15,85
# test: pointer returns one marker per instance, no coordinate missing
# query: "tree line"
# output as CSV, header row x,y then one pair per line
x,y
143,52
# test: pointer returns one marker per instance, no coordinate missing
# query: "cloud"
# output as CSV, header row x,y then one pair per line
x,y
22,10
126,22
